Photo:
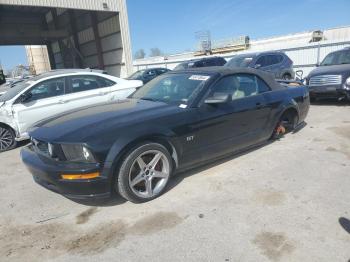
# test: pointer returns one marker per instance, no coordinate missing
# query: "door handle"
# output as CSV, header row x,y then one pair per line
x,y
62,101
102,93
259,105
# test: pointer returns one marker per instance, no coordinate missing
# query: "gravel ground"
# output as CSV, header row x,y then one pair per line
x,y
284,201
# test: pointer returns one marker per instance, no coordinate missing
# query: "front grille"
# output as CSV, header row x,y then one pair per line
x,y
325,80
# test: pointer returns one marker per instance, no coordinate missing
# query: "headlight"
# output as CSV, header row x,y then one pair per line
x,y
78,153
347,82
51,150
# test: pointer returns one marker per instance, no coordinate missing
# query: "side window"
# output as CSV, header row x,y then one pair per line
x,y
270,60
82,83
239,86
49,88
161,71
104,82
262,61
279,58
248,86
199,63
226,85
210,62
151,73
263,87
275,59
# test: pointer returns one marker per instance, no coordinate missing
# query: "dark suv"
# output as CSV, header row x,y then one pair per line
x,y
203,62
277,63
147,75
2,77
331,79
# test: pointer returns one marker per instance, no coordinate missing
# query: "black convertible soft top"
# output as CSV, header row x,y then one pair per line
x,y
267,77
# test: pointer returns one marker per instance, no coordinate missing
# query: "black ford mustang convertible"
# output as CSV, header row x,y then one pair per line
x,y
175,122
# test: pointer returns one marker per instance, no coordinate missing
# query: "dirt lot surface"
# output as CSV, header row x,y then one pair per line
x,y
285,201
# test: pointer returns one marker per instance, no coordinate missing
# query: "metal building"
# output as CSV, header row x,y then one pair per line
x,y
78,34
38,59
306,49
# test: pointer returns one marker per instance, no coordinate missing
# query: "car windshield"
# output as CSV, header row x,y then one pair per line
x,y
11,93
337,58
172,88
240,61
137,75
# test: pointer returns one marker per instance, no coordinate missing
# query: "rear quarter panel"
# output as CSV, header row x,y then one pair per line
x,y
284,99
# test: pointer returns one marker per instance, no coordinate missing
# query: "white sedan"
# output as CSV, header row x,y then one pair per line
x,y
53,93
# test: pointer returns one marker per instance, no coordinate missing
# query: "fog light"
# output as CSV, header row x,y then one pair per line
x,y
80,176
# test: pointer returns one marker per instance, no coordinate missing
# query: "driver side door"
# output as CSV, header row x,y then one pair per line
x,y
44,100
236,124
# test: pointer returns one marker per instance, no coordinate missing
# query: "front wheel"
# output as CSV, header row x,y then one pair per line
x,y
144,173
7,139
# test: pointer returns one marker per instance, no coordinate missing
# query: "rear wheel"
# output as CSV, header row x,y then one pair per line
x,y
7,139
286,124
144,173
287,77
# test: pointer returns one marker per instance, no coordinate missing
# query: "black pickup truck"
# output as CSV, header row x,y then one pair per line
x,y
179,120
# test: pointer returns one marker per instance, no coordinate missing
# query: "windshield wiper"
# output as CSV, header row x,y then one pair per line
x,y
148,99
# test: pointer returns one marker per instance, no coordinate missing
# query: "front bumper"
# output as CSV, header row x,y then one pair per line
x,y
329,92
47,173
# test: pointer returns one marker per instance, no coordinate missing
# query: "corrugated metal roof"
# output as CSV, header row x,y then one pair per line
x,y
98,5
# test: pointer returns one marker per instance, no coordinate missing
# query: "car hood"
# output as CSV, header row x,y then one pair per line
x,y
333,70
4,89
83,124
135,83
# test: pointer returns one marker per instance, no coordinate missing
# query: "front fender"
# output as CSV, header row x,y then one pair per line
x,y
6,118
133,137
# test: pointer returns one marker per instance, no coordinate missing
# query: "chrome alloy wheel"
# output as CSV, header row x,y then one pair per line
x,y
149,174
6,139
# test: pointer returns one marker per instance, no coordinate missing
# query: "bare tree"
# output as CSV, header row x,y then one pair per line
x,y
139,54
156,52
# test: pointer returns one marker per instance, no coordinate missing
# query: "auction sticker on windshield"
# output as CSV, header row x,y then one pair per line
x,y
199,77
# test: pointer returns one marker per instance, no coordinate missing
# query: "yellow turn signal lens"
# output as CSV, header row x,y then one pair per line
x,y
80,176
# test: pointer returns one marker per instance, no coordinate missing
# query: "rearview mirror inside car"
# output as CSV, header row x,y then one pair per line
x,y
25,97
218,99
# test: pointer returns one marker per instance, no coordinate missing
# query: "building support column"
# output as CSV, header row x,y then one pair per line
x,y
73,25
100,59
125,34
60,42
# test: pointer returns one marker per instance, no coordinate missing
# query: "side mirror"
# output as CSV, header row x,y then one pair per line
x,y
299,74
257,66
218,99
24,97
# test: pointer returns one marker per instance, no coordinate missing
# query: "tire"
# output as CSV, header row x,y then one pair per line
x,y
144,173
7,139
287,77
288,121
